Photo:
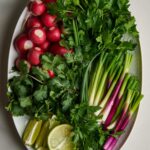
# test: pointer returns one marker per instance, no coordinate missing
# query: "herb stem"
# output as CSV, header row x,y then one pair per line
x,y
75,30
35,79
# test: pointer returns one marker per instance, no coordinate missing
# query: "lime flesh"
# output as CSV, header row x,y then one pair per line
x,y
60,138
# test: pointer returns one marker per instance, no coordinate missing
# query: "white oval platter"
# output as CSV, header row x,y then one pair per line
x,y
20,122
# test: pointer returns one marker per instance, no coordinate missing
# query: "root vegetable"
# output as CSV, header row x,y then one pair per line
x,y
48,20
23,44
18,60
37,35
51,74
45,45
56,49
37,7
33,22
53,34
34,56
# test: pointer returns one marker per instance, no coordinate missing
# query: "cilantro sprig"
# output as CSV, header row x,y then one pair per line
x,y
36,90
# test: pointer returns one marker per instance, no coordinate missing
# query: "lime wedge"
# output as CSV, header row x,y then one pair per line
x,y
52,123
42,137
60,138
32,131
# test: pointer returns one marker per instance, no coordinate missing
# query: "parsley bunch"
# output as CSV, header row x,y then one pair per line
x,y
88,135
96,25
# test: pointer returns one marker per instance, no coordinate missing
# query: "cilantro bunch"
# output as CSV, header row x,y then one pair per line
x,y
34,93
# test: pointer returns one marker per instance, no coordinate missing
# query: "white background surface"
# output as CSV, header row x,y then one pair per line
x,y
139,138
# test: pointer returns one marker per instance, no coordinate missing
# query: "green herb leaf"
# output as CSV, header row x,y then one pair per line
x,y
41,93
25,102
23,67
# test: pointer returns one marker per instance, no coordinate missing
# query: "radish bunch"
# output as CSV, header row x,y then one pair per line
x,y
41,34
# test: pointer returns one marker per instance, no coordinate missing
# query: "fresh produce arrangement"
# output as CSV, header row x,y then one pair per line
x,y
72,74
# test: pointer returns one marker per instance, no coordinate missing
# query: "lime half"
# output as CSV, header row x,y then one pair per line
x,y
60,138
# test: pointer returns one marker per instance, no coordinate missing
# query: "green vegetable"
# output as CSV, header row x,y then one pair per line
x,y
87,132
96,25
25,102
100,33
40,93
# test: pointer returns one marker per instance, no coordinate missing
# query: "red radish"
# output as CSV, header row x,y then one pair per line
x,y
51,74
34,56
23,44
37,35
48,20
53,34
33,22
37,7
56,49
17,63
39,49
45,45
49,1
23,56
